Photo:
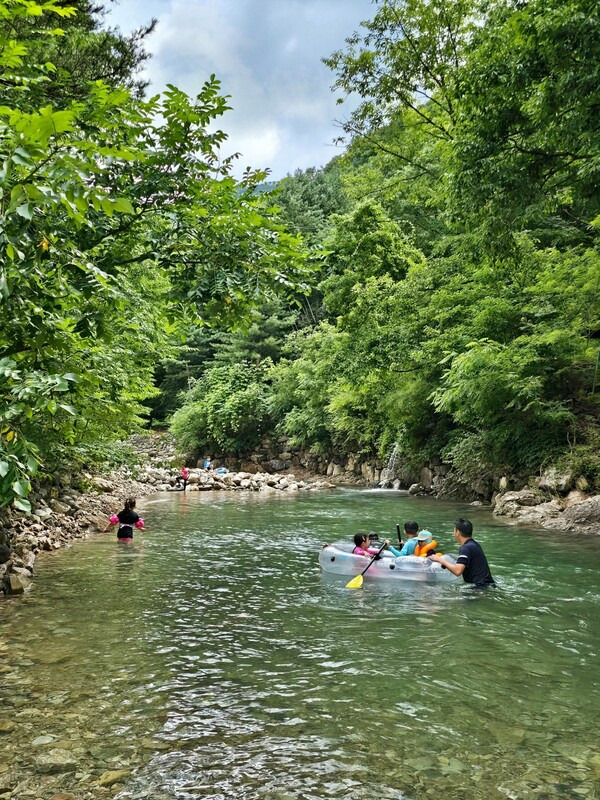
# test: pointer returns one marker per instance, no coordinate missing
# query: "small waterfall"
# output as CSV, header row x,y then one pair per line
x,y
388,473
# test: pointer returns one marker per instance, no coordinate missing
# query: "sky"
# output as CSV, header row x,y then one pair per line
x,y
267,55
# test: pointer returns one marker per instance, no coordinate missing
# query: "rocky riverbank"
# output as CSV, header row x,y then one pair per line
x,y
75,506
552,500
575,511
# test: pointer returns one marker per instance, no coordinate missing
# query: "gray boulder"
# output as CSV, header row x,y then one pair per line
x,y
16,584
276,465
581,516
102,484
510,504
574,497
42,512
540,514
426,478
551,480
59,508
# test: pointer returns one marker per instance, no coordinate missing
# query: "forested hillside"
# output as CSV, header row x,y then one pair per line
x,y
436,286
122,228
455,309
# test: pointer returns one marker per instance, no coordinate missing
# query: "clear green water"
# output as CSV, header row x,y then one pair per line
x,y
214,661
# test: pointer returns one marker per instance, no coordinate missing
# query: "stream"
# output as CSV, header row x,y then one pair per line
x,y
211,659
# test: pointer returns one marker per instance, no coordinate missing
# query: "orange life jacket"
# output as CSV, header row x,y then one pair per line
x,y
425,549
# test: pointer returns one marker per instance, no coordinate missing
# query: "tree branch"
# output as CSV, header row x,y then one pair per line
x,y
388,150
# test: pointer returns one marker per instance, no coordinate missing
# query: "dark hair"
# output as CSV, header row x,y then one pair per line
x,y
359,538
130,504
464,527
373,536
411,527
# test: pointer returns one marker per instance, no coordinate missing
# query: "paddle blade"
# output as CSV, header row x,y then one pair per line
x,y
355,583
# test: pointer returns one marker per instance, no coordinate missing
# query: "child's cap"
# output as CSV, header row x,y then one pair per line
x,y
425,536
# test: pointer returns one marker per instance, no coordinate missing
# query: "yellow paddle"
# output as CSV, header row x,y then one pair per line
x,y
357,582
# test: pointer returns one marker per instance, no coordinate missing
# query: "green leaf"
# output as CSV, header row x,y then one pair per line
x,y
4,468
20,487
25,211
123,205
21,504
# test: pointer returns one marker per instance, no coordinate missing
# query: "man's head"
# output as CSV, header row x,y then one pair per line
x,y
411,529
463,529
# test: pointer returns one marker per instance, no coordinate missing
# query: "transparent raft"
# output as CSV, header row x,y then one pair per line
x,y
338,559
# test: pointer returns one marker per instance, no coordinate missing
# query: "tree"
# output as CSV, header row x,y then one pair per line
x,y
225,411
119,223
364,244
527,150
408,57
309,198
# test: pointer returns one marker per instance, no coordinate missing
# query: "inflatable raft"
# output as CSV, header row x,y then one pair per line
x,y
339,560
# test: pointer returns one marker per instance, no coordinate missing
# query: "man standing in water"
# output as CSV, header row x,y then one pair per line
x,y
471,562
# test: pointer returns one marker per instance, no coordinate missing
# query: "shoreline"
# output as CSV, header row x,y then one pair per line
x,y
62,515
72,510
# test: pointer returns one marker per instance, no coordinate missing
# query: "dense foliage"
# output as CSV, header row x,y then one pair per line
x,y
226,410
120,226
457,307
451,254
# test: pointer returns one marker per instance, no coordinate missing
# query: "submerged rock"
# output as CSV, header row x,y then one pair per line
x,y
113,776
56,761
6,726
40,740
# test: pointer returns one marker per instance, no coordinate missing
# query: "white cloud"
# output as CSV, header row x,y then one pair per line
x,y
267,55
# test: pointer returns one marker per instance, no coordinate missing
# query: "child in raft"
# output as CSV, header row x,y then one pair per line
x,y
409,546
361,546
426,544
127,519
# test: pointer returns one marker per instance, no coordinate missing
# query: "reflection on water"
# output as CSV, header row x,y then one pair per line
x,y
210,659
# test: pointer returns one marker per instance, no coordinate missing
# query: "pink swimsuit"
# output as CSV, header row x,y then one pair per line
x,y
358,551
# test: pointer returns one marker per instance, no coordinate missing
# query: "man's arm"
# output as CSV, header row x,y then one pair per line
x,y
455,569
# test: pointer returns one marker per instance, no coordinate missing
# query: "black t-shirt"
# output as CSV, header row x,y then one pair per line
x,y
477,570
127,518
